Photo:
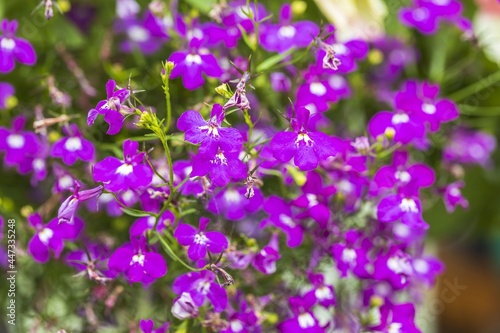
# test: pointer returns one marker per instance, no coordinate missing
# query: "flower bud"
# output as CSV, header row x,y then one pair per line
x,y
390,133
184,307
224,90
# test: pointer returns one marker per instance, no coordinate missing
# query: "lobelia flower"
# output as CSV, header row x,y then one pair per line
x,y
315,199
200,286
184,307
19,146
426,269
304,319
111,108
6,92
221,166
399,126
232,203
193,63
280,215
127,8
470,147
452,196
422,100
64,180
144,35
307,148
425,15
280,82
129,173
351,255
146,223
50,236
285,35
67,210
209,134
147,326
245,318
13,48
138,263
395,267
396,318
73,147
199,240
182,170
323,293
91,261
265,260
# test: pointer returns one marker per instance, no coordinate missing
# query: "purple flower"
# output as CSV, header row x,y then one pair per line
x,y
307,148
143,224
131,173
352,254
184,307
421,99
222,167
147,326
425,15
144,35
452,196
200,286
427,269
13,48
470,147
232,203
303,319
19,145
200,240
137,262
395,267
73,147
91,261
285,35
396,318
265,260
323,293
280,82
404,206
209,133
111,108
400,126
67,210
51,236
280,215
6,92
191,65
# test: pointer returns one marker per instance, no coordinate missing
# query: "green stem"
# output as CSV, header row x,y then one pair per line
x,y
476,87
166,89
172,254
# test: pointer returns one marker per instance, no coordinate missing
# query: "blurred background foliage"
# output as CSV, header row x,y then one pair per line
x,y
51,294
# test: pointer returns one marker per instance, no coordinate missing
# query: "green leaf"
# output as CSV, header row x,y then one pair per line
x,y
136,212
203,6
276,59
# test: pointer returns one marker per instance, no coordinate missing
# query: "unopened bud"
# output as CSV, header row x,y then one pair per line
x,y
390,133
224,90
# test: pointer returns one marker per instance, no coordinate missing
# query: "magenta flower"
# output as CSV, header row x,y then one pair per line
x,y
13,48
184,307
307,148
425,15
232,203
131,173
73,147
6,91
18,145
285,35
452,196
50,236
67,210
111,108
280,215
400,126
323,293
200,286
352,254
147,326
470,147
265,260
404,206
395,267
396,318
137,262
303,319
145,223
199,240
191,65
222,167
210,134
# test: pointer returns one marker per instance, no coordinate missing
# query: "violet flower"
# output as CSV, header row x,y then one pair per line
x,y
146,223
323,293
470,147
232,203
192,64
404,206
280,215
452,196
6,92
200,286
129,173
73,147
395,267
304,319
67,210
400,126
425,15
17,144
352,254
50,236
265,260
396,318
209,133
199,240
147,326
13,48
111,108
307,148
285,35
138,263
184,307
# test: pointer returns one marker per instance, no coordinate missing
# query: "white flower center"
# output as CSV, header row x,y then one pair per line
x,y
345,186
200,239
305,320
395,328
340,48
312,198
212,130
420,14
287,220
232,196
7,44
138,34
193,59
408,205
399,118
402,176
15,141
349,256
38,164
151,221
429,108
236,325
336,81
65,181
304,137
138,258
219,159
317,88
128,195
45,235
441,2
399,265
323,293
421,266
125,169
73,144
455,192
196,33
287,31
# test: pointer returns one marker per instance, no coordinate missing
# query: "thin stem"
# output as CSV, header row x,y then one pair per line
x,y
172,254
476,87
